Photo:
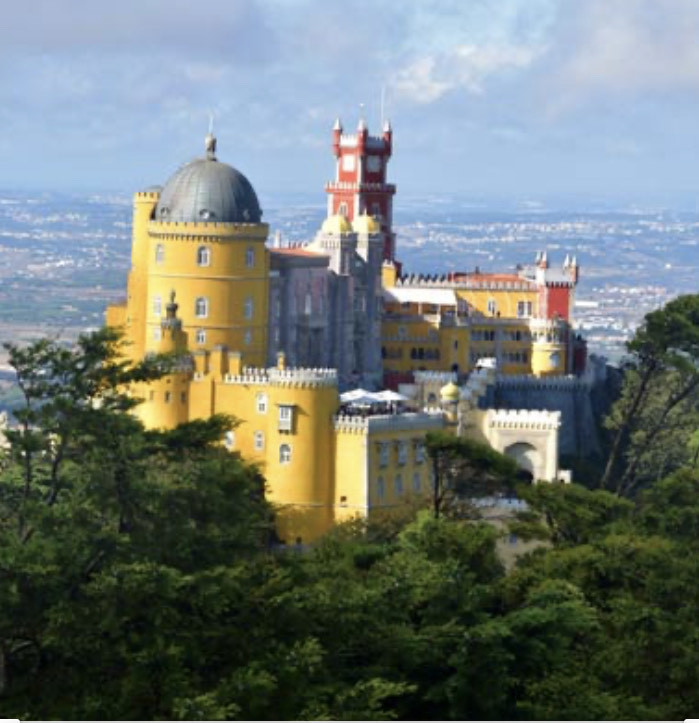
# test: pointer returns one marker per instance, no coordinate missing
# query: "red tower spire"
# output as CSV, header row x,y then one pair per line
x,y
360,179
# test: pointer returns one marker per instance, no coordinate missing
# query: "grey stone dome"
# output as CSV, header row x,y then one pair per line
x,y
207,190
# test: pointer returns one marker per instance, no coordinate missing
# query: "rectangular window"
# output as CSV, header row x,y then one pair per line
x,y
419,452
261,401
168,397
157,306
250,257
157,333
402,452
286,417
524,309
383,454
201,336
259,441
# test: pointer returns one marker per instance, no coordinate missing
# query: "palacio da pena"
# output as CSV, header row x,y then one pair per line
x,y
295,341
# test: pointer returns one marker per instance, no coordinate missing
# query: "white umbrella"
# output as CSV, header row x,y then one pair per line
x,y
354,395
387,395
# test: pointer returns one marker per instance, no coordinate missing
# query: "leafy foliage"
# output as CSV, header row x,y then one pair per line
x,y
137,582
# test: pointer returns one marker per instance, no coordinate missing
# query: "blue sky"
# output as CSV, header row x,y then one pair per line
x,y
517,97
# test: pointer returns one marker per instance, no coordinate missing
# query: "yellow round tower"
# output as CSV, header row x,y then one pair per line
x,y
207,242
548,348
299,464
166,400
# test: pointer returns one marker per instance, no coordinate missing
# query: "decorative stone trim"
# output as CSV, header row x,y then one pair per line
x,y
524,419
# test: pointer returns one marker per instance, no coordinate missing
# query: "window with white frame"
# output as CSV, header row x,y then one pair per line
x,y
348,162
201,307
157,305
157,333
398,484
284,453
402,452
261,403
383,454
201,336
229,439
248,308
380,489
524,309
259,441
159,254
249,257
286,417
492,306
203,256
342,209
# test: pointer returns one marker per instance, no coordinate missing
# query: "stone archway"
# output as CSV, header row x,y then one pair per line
x,y
527,456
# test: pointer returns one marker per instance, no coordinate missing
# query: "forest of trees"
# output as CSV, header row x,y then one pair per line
x,y
139,578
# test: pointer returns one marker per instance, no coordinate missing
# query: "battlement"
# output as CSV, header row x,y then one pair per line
x,y
462,281
530,382
360,187
410,421
529,419
209,230
153,195
432,377
250,375
303,377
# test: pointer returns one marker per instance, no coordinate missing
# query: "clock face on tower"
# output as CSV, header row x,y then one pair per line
x,y
373,164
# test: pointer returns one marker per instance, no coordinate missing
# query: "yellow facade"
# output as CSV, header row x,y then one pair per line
x,y
200,289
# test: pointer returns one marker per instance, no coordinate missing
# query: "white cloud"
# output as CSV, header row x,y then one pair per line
x,y
623,47
465,67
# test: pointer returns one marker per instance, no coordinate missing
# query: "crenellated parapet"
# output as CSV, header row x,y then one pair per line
x,y
523,419
409,421
249,376
544,384
209,230
434,377
308,378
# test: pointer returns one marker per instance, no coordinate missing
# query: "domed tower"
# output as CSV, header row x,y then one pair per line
x,y
205,240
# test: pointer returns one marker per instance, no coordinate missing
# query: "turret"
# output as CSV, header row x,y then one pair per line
x,y
337,133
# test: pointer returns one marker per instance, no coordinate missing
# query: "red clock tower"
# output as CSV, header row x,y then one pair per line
x,y
360,179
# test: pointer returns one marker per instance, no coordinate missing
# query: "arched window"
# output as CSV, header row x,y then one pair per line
x,y
284,453
201,307
203,256
157,306
248,308
159,254
249,257
416,481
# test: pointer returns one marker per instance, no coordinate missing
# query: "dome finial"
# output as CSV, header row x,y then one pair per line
x,y
210,140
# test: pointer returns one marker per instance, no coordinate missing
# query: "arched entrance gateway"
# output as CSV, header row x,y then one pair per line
x,y
529,437
527,457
